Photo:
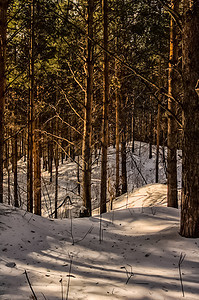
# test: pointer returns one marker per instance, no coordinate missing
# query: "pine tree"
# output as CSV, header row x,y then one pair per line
x,y
86,148
190,146
105,111
172,199
3,29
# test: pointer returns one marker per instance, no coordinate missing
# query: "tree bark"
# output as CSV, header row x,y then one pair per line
x,y
7,166
133,126
3,29
190,148
123,155
172,198
56,171
16,202
86,147
30,116
157,146
117,135
105,113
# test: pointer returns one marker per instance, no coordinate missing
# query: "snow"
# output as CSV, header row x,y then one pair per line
x,y
136,255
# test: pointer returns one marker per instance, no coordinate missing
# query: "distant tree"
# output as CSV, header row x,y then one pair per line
x,y
3,30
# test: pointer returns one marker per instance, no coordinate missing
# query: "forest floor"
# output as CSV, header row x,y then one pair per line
x,y
132,252
140,171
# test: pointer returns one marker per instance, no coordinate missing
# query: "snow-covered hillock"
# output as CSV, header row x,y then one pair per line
x,y
128,253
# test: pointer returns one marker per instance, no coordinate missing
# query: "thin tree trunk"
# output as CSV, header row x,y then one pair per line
x,y
190,146
16,202
117,137
7,168
133,126
86,148
157,146
78,176
3,28
150,135
172,198
37,169
123,155
30,116
50,159
105,113
56,171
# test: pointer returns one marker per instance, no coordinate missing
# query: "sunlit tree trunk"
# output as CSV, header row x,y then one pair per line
x,y
3,28
172,199
190,146
105,113
86,148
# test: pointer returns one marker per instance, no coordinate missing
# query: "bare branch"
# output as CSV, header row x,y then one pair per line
x,y
55,136
76,80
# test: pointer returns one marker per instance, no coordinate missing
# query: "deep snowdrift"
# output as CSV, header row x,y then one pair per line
x,y
137,257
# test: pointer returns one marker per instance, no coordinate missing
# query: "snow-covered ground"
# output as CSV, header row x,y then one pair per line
x,y
136,256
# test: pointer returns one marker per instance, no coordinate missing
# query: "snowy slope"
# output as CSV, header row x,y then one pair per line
x,y
140,170
137,257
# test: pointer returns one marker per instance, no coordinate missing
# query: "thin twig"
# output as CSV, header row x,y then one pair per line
x,y
129,274
89,231
34,296
69,275
100,229
62,289
181,259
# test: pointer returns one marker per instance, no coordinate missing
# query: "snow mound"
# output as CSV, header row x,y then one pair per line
x,y
130,253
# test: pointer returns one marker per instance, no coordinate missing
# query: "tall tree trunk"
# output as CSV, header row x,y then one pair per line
x,y
105,113
7,167
30,116
172,198
86,148
50,158
15,159
157,146
78,175
15,155
56,171
150,135
133,125
3,28
123,155
190,148
117,136
37,169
